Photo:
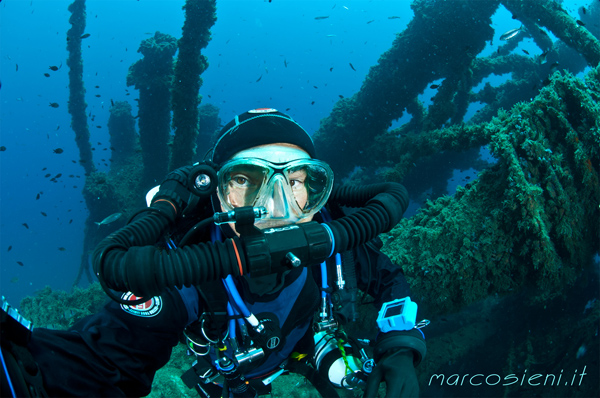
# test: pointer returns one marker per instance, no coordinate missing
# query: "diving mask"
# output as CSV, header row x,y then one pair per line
x,y
291,190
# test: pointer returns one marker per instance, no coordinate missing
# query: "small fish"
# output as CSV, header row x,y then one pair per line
x,y
47,74
109,219
525,51
62,249
58,175
581,351
394,17
112,102
352,66
98,95
372,20
47,175
312,103
580,23
9,248
16,67
322,17
511,34
434,86
85,36
70,221
330,69
20,263
2,148
54,105
97,86
37,197
257,80
285,63
53,68
583,10
43,214
58,151
341,96
25,225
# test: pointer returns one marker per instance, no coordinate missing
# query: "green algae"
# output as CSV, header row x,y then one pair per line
x,y
529,220
200,16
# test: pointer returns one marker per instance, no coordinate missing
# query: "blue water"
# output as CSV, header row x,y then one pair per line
x,y
250,40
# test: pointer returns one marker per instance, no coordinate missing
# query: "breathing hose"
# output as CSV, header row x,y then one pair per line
x,y
127,260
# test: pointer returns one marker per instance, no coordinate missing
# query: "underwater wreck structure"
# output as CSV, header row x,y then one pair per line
x,y
528,223
532,218
140,161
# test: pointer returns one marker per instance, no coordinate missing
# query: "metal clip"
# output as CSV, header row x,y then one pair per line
x,y
422,324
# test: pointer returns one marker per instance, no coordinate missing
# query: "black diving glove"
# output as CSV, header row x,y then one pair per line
x,y
396,354
398,372
174,192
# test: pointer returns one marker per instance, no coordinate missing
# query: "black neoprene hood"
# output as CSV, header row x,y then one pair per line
x,y
260,127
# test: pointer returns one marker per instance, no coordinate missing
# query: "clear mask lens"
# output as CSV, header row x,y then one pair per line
x,y
291,191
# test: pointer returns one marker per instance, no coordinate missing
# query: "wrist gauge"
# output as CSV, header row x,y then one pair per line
x,y
400,314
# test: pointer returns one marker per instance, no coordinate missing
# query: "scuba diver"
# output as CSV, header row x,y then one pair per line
x,y
253,259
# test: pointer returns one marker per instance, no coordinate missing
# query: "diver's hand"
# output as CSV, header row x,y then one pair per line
x,y
398,371
174,190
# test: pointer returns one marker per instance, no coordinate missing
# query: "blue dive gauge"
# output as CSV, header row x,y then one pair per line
x,y
400,314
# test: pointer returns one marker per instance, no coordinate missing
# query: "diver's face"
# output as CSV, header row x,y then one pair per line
x,y
253,180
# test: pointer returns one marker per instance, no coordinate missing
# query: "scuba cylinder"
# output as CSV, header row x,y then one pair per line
x,y
339,362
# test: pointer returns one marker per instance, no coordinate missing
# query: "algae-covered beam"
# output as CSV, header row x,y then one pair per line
x,y
77,104
553,16
402,151
200,16
121,127
530,220
152,76
442,40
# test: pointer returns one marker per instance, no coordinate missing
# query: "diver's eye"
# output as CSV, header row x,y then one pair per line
x,y
240,180
296,184
297,178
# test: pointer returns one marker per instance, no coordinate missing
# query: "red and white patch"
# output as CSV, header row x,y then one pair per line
x,y
262,110
147,309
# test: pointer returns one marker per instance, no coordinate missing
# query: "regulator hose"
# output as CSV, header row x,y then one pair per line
x,y
382,208
127,260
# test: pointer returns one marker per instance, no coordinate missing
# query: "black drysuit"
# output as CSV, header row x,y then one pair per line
x,y
117,351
